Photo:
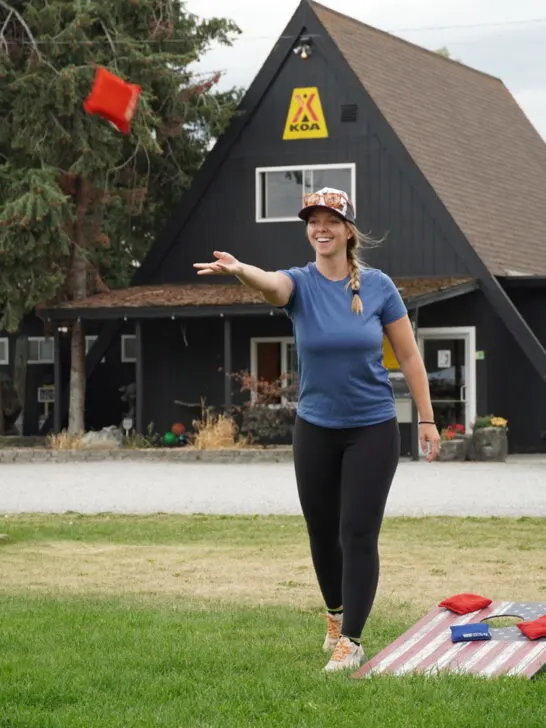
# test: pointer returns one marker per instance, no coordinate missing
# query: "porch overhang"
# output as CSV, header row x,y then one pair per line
x,y
217,300
523,281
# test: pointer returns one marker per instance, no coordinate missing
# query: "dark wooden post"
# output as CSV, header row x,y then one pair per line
x,y
139,404
414,412
57,383
227,365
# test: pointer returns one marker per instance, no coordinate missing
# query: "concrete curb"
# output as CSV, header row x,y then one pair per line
x,y
281,454
178,455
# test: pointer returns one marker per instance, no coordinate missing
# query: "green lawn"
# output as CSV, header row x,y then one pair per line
x,y
131,660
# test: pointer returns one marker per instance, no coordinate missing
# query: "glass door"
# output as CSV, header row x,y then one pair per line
x,y
449,356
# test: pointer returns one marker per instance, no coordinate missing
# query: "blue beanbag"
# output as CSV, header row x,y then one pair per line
x,y
470,632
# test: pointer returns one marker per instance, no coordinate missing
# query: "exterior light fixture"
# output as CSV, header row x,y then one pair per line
x,y
303,49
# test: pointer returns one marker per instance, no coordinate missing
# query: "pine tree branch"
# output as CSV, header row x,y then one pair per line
x,y
124,164
22,21
3,41
110,41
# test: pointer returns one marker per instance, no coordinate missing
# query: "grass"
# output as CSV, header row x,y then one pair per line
x,y
210,649
264,560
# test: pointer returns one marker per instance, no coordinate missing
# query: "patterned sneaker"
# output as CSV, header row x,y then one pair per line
x,y
347,655
334,631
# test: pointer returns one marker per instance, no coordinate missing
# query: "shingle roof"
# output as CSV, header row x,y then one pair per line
x,y
465,132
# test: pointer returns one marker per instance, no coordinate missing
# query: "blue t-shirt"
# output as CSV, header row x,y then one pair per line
x,y
342,380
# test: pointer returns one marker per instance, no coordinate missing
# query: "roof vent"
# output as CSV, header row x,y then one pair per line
x,y
349,113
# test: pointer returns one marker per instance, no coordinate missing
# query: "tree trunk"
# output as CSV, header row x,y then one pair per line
x,y
78,285
20,374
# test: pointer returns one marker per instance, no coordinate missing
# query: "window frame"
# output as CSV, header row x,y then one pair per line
x,y
89,341
41,340
124,358
351,166
5,360
284,341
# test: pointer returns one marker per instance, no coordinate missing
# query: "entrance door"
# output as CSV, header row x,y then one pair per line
x,y
274,359
450,360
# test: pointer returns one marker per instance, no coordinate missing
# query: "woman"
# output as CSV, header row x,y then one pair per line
x,y
346,438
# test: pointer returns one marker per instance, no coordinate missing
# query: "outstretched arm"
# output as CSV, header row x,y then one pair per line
x,y
275,287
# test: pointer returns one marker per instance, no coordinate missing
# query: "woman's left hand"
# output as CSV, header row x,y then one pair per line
x,y
429,437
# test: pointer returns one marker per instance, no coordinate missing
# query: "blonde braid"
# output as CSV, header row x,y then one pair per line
x,y
353,244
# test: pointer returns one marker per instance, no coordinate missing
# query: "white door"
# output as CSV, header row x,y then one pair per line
x,y
450,360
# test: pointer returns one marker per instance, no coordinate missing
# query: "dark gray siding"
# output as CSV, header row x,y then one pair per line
x,y
531,303
507,384
37,375
387,205
184,361
103,405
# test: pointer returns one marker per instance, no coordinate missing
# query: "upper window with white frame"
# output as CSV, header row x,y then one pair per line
x,y
4,351
40,350
280,190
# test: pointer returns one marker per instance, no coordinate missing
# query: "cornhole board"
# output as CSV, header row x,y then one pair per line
x,y
427,647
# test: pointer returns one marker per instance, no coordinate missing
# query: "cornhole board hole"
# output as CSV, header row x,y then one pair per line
x,y
427,647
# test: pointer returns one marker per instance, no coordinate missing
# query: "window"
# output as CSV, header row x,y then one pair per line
x,y
128,349
4,351
89,341
40,350
280,190
272,360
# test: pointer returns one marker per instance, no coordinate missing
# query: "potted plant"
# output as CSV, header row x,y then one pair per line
x,y
489,438
453,445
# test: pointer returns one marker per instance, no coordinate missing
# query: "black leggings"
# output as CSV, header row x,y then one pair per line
x,y
344,477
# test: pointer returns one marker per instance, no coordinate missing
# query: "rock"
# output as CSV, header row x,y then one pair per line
x,y
489,443
105,439
452,450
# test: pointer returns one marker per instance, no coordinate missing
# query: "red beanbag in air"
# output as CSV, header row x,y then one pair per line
x,y
464,603
113,98
535,629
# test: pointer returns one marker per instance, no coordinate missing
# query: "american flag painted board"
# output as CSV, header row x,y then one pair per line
x,y
427,647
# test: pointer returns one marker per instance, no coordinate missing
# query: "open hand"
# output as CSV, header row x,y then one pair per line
x,y
225,265
429,439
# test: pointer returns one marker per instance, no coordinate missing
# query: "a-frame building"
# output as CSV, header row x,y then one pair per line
x,y
444,167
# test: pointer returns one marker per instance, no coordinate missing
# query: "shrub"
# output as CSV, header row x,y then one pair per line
x,y
452,431
268,416
138,441
490,421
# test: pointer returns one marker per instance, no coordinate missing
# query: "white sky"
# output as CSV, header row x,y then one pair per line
x,y
508,39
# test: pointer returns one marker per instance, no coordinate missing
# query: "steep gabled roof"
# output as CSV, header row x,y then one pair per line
x,y
465,132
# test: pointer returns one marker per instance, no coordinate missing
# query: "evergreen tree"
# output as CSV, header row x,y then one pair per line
x,y
79,201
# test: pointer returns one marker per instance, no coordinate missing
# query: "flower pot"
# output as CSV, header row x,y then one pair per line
x,y
489,443
451,450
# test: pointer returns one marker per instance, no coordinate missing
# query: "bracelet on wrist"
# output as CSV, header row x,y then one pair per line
x,y
427,422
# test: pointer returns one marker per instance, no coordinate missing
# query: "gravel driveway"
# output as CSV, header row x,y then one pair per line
x,y
515,488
